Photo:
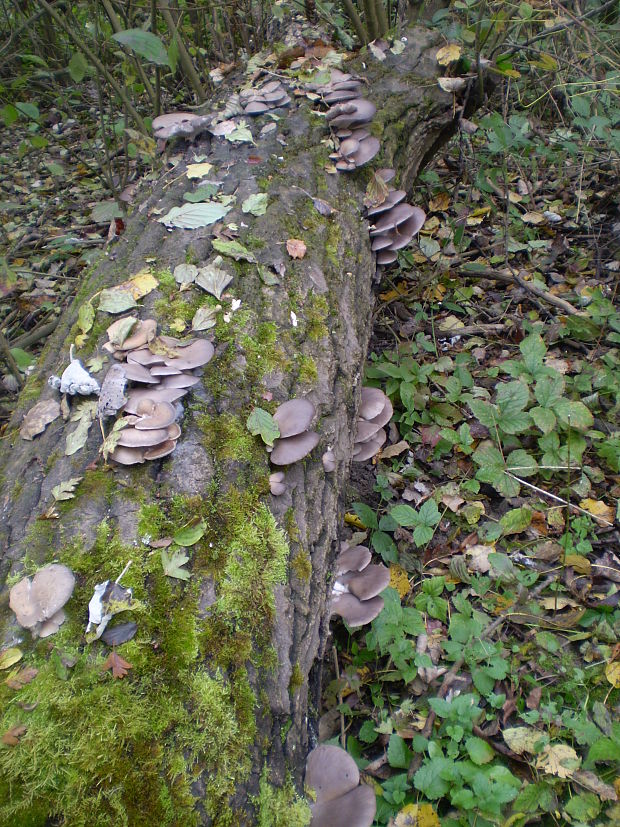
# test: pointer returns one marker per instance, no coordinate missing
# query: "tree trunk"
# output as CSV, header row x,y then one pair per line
x,y
219,690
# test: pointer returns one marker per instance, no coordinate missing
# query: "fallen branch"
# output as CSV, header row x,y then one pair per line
x,y
515,278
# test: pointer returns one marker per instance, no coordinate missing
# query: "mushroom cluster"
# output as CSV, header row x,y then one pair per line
x,y
38,603
393,222
167,367
258,101
374,413
358,585
179,125
293,419
340,800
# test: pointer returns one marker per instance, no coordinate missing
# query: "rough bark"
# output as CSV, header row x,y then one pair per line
x,y
250,644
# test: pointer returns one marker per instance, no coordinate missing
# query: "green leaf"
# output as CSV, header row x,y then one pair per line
x,y
533,349
192,216
404,515
189,535
145,44
202,193
9,657
366,515
240,135
9,114
23,359
367,733
399,754
86,317
112,300
535,797
573,414
78,67
428,778
516,520
385,546
485,412
76,440
493,470
512,398
30,110
604,749
262,423
105,211
584,807
66,490
233,249
549,389
429,514
544,419
256,204
521,463
173,55
172,562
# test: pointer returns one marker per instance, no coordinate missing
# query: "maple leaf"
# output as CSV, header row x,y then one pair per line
x,y
117,664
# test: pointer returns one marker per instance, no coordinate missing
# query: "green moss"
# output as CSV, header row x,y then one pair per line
x,y
290,525
307,370
32,389
280,806
301,565
316,312
227,438
297,679
191,256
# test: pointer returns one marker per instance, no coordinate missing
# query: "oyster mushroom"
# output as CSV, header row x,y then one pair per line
x,y
372,403
356,808
193,355
155,394
160,451
127,456
294,416
179,125
161,415
42,598
133,438
329,461
352,559
293,448
356,612
340,800
276,483
368,583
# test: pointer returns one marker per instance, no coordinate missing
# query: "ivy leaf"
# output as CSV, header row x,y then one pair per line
x,y
119,666
261,422
172,563
66,490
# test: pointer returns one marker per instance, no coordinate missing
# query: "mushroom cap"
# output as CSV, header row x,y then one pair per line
x,y
142,334
348,147
329,461
139,373
160,451
293,448
179,380
393,218
162,415
386,175
194,355
365,430
156,393
392,198
294,416
340,95
143,356
356,808
133,438
356,612
354,558
330,772
373,402
381,242
164,370
255,107
276,483
173,118
366,151
52,624
356,111
386,256
363,451
382,418
27,611
127,456
52,586
403,234
370,581
174,431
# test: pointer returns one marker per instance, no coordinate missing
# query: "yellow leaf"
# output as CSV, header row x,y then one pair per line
x,y
177,325
439,203
354,520
558,602
198,170
598,509
448,54
399,580
612,673
9,657
450,322
522,739
533,218
558,759
478,558
142,283
417,815
576,561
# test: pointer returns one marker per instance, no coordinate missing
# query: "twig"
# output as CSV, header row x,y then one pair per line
x,y
40,332
557,499
515,278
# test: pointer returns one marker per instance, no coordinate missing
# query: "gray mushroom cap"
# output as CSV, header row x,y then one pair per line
x,y
386,256
365,430
386,175
179,380
356,612
293,448
381,242
393,197
363,451
127,456
276,483
366,151
373,402
256,107
155,393
194,355
27,611
369,582
329,461
357,111
356,808
170,118
162,415
139,373
133,438
52,624
353,558
143,356
294,416
384,416
160,451
393,218
330,772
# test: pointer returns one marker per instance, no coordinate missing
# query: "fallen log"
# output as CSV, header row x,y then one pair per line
x,y
210,723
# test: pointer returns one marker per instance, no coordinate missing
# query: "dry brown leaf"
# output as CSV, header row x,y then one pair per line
x,y
21,678
296,248
394,450
11,736
38,418
598,509
558,602
117,664
592,782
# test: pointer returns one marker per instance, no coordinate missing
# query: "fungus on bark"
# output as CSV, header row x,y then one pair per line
x,y
375,412
38,603
340,800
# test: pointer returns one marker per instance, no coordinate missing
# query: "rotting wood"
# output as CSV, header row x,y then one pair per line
x,y
223,657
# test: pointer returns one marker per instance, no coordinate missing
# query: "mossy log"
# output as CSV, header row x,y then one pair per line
x,y
213,722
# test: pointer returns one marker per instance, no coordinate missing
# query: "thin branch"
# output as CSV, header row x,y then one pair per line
x,y
515,278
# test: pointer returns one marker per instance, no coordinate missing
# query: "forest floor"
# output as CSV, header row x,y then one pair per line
x,y
486,692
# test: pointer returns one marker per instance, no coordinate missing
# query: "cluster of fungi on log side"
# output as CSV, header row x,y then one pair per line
x,y
293,419
339,798
358,585
263,99
375,411
38,603
167,367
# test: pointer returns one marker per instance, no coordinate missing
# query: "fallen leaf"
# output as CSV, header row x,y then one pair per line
x,y
22,677
213,278
116,300
11,737
185,273
296,248
119,330
448,54
241,134
172,563
452,84
598,509
233,249
256,204
478,558
612,673
261,422
198,170
204,317
592,782
66,490
38,418
558,602
9,657
522,739
417,815
192,216
119,666
394,450
558,759
140,285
